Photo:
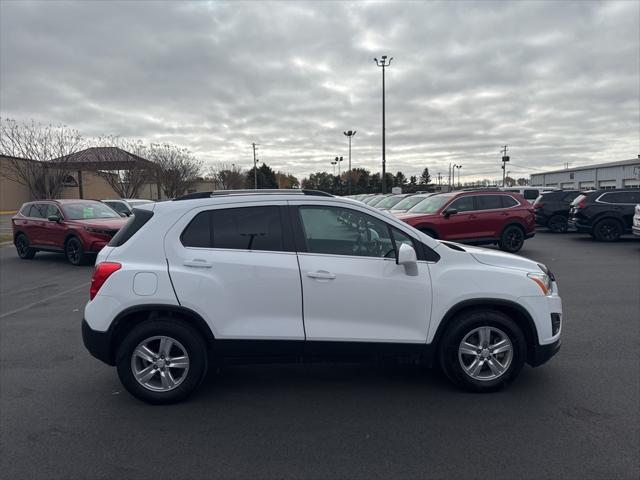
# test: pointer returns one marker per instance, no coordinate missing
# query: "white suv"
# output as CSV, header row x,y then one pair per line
x,y
299,275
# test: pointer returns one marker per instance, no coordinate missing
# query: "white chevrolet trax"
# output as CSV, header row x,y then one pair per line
x,y
249,276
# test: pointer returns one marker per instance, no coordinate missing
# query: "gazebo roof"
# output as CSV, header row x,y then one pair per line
x,y
105,158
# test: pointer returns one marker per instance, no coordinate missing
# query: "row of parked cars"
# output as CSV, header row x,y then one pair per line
x,y
507,217
77,228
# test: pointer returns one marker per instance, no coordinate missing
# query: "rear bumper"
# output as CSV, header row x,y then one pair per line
x,y
543,353
98,343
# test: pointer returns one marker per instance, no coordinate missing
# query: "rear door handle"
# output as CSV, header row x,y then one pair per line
x,y
321,275
198,263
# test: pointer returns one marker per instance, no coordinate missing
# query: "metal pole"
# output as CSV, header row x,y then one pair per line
x,y
255,168
349,174
384,159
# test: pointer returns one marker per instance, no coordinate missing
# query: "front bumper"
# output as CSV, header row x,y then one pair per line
x,y
543,353
98,343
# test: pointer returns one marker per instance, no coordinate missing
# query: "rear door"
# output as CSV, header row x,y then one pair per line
x,y
490,215
235,266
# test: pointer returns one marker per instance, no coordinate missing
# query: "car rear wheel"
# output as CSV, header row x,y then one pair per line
x,y
74,252
22,247
481,351
558,224
161,361
512,239
607,230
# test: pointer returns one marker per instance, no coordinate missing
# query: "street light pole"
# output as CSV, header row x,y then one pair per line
x,y
338,160
349,135
334,167
383,64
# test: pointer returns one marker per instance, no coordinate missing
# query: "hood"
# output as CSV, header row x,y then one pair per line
x,y
497,258
408,217
107,223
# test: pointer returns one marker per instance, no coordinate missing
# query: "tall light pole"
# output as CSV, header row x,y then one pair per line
x,y
505,159
454,175
338,160
350,135
384,63
334,167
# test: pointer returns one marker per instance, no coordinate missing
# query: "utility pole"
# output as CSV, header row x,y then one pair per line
x,y
383,64
449,178
439,179
350,135
505,159
255,168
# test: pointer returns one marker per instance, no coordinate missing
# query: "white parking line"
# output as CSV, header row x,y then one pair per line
x,y
60,294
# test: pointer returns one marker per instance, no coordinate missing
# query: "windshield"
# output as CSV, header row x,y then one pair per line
x,y
408,202
373,200
389,202
88,210
431,204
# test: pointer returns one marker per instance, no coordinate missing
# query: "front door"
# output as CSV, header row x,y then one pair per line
x,y
353,290
461,225
235,267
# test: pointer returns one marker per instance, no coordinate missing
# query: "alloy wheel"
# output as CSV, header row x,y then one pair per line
x,y
514,238
485,353
73,251
160,363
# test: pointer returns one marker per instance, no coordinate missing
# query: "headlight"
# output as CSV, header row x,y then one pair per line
x,y
99,231
543,281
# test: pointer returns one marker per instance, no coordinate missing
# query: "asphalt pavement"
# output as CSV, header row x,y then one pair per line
x,y
63,414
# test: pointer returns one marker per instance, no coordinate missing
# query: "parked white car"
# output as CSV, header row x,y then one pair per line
x,y
281,275
635,228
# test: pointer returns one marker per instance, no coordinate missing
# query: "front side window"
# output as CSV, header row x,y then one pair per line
x,y
52,210
39,210
463,204
247,228
88,210
489,202
341,231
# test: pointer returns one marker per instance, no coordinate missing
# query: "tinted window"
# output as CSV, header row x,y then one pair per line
x,y
251,228
119,207
620,197
463,204
135,223
340,231
197,233
530,194
488,202
508,201
38,210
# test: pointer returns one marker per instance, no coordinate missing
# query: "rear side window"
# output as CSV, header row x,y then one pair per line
x,y
26,210
488,202
135,223
249,228
620,197
531,194
508,201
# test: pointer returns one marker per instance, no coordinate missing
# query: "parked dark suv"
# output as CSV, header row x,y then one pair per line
x,y
552,209
480,217
77,228
605,214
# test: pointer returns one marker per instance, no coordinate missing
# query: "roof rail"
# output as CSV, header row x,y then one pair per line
x,y
266,191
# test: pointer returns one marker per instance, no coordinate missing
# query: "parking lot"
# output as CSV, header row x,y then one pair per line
x,y
65,415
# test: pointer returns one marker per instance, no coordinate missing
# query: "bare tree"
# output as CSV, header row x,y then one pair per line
x,y
126,167
228,178
37,155
177,168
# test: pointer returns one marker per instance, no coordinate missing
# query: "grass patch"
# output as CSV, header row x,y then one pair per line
x,y
6,237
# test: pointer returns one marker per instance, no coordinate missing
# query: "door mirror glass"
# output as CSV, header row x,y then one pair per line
x,y
450,211
53,218
406,255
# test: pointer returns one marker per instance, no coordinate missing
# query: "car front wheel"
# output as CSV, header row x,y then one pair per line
x,y
482,351
74,252
161,361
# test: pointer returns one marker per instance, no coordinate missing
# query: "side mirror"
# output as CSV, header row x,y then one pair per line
x,y
406,255
449,211
54,218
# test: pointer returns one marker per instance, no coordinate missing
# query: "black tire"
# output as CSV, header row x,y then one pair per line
x,y
512,239
74,252
450,359
558,224
607,230
25,252
187,338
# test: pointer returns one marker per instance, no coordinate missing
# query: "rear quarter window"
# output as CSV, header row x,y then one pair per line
x,y
508,201
135,223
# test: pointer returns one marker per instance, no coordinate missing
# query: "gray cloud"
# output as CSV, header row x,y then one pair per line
x,y
557,81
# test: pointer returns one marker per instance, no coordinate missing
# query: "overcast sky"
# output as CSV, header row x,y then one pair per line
x,y
557,81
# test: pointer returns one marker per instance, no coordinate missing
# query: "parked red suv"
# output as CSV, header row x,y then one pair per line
x,y
77,228
475,217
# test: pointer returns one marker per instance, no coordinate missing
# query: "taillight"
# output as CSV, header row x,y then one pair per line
x,y
581,204
100,274
538,205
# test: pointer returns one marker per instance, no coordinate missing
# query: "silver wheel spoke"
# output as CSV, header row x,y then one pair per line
x,y
500,347
167,379
475,367
179,362
468,349
146,374
165,346
145,353
484,334
496,367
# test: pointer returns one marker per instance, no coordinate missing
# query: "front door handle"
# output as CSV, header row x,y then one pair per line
x,y
472,216
321,275
198,263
